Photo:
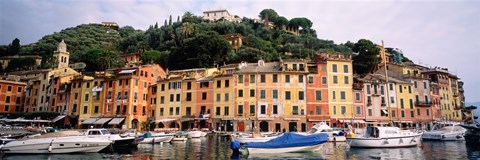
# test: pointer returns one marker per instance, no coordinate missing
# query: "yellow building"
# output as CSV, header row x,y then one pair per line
x,y
340,91
293,81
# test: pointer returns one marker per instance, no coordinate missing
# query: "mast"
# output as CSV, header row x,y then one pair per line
x,y
387,85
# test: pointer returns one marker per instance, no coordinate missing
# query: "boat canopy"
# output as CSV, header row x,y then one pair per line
x,y
291,140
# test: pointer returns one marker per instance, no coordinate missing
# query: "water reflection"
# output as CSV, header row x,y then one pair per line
x,y
218,148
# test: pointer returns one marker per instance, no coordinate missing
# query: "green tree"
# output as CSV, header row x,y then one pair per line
x,y
367,58
150,57
20,64
281,22
270,13
15,47
170,20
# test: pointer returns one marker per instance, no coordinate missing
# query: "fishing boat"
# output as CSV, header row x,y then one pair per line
x,y
445,132
288,142
64,142
384,137
332,135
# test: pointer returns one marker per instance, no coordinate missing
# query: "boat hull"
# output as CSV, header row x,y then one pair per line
x,y
147,140
163,139
56,145
387,142
444,136
283,150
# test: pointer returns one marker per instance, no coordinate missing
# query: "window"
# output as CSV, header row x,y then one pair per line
x,y
189,96
172,98
369,112
162,99
74,108
227,83
218,97
204,95
342,95
240,78
275,109
334,68
287,95
295,110
252,109
6,108
226,97
125,95
18,99
424,85
411,103
86,97
415,84
135,95
346,80
252,93
161,111
225,111
262,94
318,95
357,96
177,111
294,66
359,111
401,103
217,111
391,87
189,85
324,80
85,109
334,109
403,113
412,114
275,94
262,78
345,68
7,99
300,78
318,110
163,87
400,88
219,84
310,79
409,89
382,90
263,109
287,78
252,78
301,95
240,93
335,80
275,78
19,89
418,112
368,89
334,95
393,113
428,112
240,109
344,110
392,100
96,109
203,84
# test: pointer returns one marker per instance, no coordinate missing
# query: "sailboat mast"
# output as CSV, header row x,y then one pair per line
x,y
387,84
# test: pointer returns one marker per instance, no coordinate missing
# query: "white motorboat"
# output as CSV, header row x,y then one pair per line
x,y
70,142
246,138
204,132
195,134
117,140
445,132
384,137
332,135
180,137
288,142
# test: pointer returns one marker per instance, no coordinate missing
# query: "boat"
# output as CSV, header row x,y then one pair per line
x,y
246,138
445,132
60,142
332,135
162,137
195,133
117,140
180,137
205,131
472,134
288,142
384,137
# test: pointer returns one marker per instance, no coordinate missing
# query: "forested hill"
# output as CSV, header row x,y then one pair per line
x,y
190,42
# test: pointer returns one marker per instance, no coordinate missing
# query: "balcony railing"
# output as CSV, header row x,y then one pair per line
x,y
423,103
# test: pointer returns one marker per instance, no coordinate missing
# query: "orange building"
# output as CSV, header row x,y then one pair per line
x,y
317,93
11,96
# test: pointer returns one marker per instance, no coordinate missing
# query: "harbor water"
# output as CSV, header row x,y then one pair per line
x,y
216,147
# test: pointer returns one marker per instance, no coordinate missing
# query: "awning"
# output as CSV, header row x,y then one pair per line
x,y
318,120
102,121
165,120
127,71
89,121
291,119
354,121
115,121
265,118
58,118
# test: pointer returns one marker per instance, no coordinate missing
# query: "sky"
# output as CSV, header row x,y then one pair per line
x,y
432,33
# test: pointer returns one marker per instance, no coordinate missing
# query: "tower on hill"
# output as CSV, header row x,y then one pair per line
x,y
62,55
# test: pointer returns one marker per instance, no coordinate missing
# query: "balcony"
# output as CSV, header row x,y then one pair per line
x,y
295,113
423,103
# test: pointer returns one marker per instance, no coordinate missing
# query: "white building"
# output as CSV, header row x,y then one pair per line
x,y
215,15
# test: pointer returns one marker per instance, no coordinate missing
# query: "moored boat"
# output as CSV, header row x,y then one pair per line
x,y
384,137
332,135
445,132
245,138
288,142
117,140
